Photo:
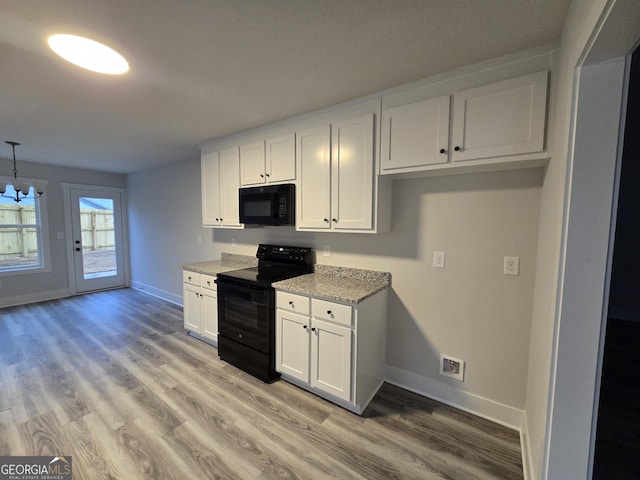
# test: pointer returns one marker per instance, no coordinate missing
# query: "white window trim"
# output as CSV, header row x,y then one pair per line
x,y
42,220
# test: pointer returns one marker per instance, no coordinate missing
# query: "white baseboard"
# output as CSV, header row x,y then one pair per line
x,y
156,292
483,407
527,461
35,297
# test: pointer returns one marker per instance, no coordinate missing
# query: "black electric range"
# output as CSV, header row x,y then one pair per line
x,y
246,308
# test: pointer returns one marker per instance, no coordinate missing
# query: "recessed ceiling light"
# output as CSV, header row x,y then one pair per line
x,y
88,54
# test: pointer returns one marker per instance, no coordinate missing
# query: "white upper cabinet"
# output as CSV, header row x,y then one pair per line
x,y
336,176
352,174
252,170
504,118
220,176
230,183
281,158
416,134
491,124
268,161
210,178
313,195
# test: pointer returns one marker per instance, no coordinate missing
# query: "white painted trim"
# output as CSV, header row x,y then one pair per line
x,y
525,450
483,407
35,297
156,292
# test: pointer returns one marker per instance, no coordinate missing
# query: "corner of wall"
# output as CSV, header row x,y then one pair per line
x,y
156,292
475,404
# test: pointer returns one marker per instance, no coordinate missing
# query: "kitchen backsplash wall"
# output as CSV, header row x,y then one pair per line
x,y
469,310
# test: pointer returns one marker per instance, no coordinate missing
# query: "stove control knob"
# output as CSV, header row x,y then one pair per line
x,y
239,335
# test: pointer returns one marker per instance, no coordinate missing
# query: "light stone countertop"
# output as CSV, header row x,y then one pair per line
x,y
341,284
227,262
348,285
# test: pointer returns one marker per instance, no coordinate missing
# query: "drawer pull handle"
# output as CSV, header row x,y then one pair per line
x,y
329,312
313,329
291,302
304,326
442,150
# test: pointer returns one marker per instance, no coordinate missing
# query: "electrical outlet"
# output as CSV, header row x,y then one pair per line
x,y
233,242
511,266
452,367
438,259
327,250
198,239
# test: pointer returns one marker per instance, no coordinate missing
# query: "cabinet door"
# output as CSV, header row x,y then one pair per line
x,y
313,204
415,135
281,158
292,345
229,185
252,171
331,359
210,178
210,314
192,306
504,118
352,177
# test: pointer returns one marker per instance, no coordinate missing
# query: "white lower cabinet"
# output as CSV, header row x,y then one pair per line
x,y
200,297
331,358
320,347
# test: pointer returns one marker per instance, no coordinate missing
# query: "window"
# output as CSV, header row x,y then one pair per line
x,y
23,239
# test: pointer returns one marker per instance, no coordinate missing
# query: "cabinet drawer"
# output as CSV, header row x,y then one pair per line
x,y
191,278
208,282
293,302
333,312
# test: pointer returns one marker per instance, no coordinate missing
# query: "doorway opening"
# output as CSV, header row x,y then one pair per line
x,y
617,445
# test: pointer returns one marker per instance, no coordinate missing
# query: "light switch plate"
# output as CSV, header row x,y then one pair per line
x,y
439,259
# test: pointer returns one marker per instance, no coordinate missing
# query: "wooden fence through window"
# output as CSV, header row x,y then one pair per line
x,y
20,240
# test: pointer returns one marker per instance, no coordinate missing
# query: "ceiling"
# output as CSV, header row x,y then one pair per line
x,y
202,69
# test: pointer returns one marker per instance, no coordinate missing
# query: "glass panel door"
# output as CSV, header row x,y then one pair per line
x,y
97,239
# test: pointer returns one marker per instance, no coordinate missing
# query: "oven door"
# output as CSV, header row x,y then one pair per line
x,y
246,313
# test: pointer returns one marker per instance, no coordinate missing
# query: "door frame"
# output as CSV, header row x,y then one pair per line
x,y
66,191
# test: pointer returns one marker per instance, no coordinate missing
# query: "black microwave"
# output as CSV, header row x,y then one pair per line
x,y
268,205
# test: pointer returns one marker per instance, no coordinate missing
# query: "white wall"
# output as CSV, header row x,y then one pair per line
x,y
27,287
572,246
469,310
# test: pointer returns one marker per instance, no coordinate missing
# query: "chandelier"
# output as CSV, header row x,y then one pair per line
x,y
21,188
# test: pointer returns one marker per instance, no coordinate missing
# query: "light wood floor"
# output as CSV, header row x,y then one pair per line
x,y
112,379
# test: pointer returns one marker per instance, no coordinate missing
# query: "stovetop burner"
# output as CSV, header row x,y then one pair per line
x,y
275,263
